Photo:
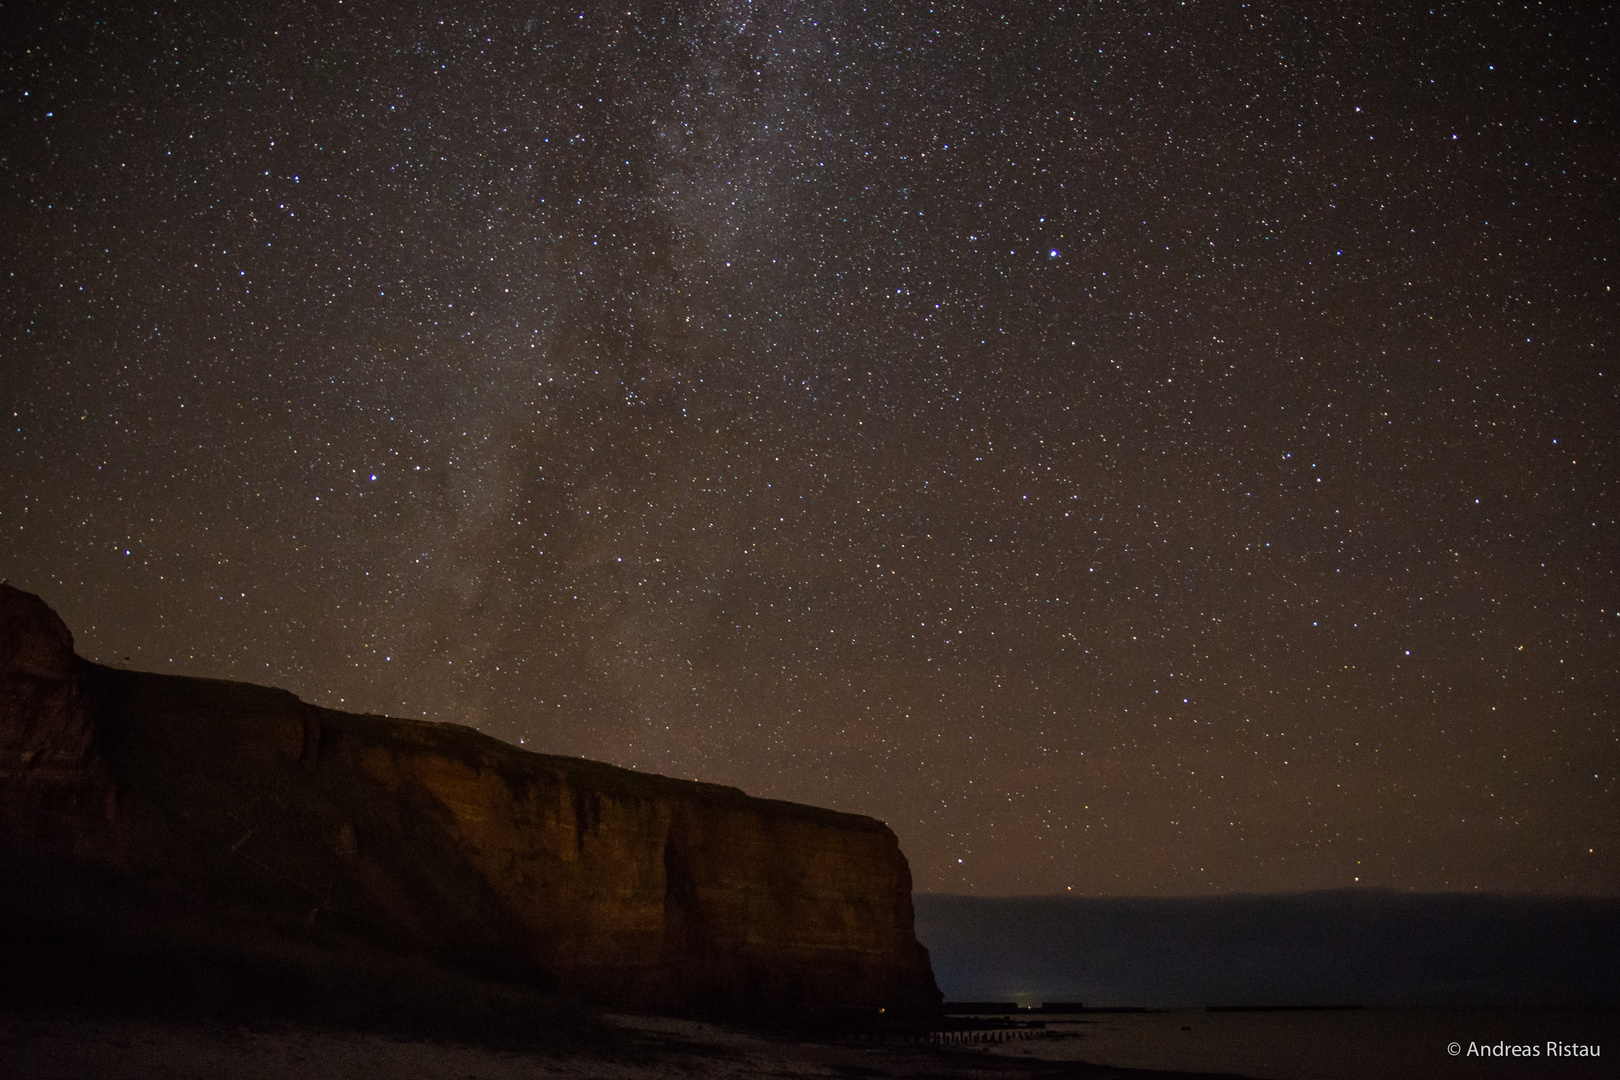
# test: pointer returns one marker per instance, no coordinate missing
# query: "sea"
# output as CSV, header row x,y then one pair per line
x,y
1347,983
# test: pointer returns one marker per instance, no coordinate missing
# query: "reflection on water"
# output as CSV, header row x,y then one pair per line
x,y
1363,1044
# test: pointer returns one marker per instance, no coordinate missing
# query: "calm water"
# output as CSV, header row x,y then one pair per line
x,y
1363,1044
1372,947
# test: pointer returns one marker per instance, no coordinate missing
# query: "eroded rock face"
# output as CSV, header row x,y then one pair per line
x,y
666,893
45,739
636,890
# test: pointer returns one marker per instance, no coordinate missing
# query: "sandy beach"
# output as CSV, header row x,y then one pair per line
x,y
1366,1045
1353,1045
56,1048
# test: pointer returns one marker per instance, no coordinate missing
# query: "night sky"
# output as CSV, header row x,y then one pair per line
x,y
1129,448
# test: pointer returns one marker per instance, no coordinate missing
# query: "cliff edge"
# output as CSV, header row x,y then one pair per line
x,y
229,812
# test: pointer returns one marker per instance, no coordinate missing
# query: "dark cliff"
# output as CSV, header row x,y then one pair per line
x,y
228,811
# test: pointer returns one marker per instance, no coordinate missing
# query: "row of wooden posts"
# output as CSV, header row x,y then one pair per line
x,y
996,1035
953,1038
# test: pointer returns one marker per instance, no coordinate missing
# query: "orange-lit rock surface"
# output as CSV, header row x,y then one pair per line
x,y
241,806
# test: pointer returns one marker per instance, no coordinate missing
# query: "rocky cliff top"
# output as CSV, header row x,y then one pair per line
x,y
34,641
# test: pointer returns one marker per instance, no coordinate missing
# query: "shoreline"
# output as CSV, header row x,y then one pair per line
x,y
1373,1043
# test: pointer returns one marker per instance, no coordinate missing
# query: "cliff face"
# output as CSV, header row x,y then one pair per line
x,y
243,803
48,776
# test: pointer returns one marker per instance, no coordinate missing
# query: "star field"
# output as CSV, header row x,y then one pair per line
x,y
1130,449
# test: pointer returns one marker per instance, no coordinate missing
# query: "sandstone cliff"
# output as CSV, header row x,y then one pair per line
x,y
241,806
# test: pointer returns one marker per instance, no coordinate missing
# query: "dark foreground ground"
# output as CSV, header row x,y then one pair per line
x,y
1394,1045
44,1046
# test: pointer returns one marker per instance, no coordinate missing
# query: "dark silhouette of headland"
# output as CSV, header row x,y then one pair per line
x,y
170,839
